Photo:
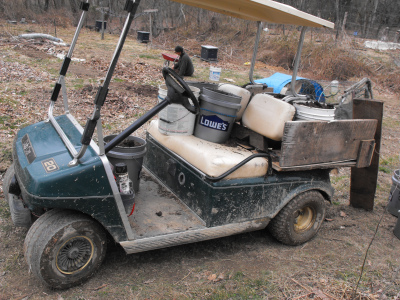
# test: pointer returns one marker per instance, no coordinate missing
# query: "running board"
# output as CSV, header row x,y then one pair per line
x,y
192,236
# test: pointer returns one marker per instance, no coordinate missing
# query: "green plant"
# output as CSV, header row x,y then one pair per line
x,y
385,170
347,275
238,276
149,56
12,262
390,161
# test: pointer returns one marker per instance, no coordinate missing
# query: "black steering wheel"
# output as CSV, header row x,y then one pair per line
x,y
176,84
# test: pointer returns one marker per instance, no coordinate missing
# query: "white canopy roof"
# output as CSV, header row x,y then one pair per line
x,y
260,10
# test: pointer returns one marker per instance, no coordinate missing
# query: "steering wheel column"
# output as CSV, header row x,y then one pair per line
x,y
179,92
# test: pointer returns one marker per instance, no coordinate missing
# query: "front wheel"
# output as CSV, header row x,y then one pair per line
x,y
64,248
300,220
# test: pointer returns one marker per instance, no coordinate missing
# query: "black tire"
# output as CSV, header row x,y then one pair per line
x,y
300,220
20,215
7,180
32,235
64,248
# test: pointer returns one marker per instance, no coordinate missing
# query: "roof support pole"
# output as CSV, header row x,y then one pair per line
x,y
253,60
297,61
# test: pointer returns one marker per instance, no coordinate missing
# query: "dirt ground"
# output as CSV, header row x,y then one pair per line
x,y
245,266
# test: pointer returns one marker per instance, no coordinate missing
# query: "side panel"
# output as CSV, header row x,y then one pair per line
x,y
184,182
230,201
263,197
84,187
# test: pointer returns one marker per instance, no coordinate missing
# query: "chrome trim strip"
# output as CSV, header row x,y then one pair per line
x,y
192,236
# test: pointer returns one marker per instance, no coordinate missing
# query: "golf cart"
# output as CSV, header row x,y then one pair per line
x,y
64,187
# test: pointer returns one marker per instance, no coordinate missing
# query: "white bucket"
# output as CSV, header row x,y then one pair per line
x,y
215,73
305,113
176,119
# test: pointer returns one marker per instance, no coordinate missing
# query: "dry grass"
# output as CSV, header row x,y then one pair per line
x,y
325,60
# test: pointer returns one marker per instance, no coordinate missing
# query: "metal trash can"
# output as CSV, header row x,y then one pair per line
x,y
394,201
143,36
131,151
98,25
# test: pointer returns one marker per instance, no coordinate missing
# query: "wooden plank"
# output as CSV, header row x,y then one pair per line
x,y
313,142
365,153
363,180
331,165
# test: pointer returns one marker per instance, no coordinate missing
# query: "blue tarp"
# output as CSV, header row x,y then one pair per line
x,y
278,81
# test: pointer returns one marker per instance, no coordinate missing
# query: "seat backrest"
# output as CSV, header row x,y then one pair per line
x,y
267,115
238,91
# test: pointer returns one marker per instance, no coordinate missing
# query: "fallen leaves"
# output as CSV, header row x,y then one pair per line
x,y
149,281
215,278
100,287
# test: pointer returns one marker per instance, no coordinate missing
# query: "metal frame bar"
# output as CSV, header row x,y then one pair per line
x,y
297,62
253,60
96,113
61,81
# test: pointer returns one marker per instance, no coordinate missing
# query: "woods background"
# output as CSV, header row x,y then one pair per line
x,y
376,19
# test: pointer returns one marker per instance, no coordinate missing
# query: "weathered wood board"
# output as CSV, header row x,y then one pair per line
x,y
314,142
365,154
363,180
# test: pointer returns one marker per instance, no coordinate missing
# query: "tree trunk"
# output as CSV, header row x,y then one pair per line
x,y
72,3
371,23
337,7
344,22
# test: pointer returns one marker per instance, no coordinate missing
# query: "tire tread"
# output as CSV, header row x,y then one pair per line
x,y
279,227
41,234
7,180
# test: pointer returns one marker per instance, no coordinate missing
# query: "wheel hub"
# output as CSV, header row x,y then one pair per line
x,y
74,255
304,219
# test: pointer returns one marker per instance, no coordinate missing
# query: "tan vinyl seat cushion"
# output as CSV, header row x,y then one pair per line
x,y
210,158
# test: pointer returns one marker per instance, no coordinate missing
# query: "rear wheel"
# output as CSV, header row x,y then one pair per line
x,y
300,220
7,181
20,215
65,248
